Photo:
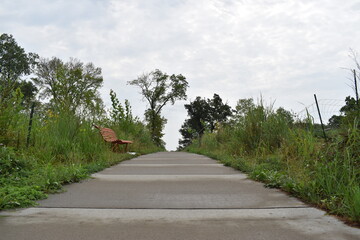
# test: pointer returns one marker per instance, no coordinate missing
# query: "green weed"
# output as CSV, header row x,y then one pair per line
x,y
292,156
64,149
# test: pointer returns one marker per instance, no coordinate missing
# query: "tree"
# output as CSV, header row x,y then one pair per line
x,y
335,121
187,133
29,91
195,125
350,111
14,63
156,124
243,106
118,113
286,115
198,112
159,89
350,106
203,114
71,86
219,112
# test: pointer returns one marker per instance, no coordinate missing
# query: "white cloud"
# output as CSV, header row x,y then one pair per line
x,y
284,49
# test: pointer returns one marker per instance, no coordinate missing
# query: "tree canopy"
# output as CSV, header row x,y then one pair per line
x,y
14,92
203,114
14,61
349,112
159,89
71,86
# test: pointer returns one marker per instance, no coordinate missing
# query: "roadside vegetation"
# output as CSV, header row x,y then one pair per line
x,y
274,147
47,138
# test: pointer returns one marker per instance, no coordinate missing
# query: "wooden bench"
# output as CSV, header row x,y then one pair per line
x,y
110,136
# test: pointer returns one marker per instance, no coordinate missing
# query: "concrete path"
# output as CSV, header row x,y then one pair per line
x,y
166,196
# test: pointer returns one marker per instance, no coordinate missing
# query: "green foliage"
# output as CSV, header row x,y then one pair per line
x,y
14,62
188,134
243,106
158,89
127,126
203,114
10,163
29,90
67,138
273,149
117,113
65,149
156,124
219,112
14,197
258,129
71,86
350,112
31,178
10,115
198,112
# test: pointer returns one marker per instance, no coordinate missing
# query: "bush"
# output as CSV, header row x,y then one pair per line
x,y
10,163
14,197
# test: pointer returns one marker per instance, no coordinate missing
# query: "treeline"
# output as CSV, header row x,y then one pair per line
x,y
275,147
47,111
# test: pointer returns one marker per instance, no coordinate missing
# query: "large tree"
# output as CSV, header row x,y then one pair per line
x,y
219,111
14,63
199,115
159,89
70,86
204,114
14,92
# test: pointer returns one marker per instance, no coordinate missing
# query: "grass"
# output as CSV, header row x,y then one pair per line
x,y
292,157
64,148
24,180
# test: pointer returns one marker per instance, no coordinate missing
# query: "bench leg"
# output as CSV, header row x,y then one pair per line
x,y
115,147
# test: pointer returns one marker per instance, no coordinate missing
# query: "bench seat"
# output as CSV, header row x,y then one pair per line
x,y
109,135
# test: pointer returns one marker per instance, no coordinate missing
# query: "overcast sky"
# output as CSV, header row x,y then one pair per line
x,y
284,50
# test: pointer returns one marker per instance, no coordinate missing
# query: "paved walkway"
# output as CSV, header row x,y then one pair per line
x,y
167,196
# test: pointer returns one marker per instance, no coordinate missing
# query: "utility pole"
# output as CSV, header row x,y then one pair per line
x,y
30,124
356,89
322,125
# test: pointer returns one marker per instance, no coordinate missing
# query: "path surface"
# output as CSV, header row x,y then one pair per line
x,y
167,196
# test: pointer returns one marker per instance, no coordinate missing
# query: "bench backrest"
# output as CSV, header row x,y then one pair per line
x,y
108,134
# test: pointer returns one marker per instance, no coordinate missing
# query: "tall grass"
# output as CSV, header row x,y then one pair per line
x,y
272,149
63,148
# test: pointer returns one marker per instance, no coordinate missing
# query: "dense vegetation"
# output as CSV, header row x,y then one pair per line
x,y
290,154
58,143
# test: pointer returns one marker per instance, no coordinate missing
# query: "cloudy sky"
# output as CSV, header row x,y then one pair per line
x,y
284,50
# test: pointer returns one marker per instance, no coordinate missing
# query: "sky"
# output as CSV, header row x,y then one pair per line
x,y
282,51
